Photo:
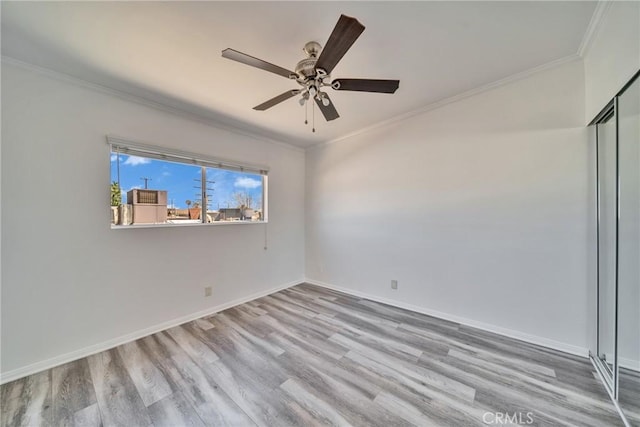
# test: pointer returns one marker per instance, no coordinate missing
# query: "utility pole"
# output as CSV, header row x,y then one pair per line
x,y
146,180
204,196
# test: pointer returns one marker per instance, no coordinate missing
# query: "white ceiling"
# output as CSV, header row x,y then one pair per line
x,y
169,52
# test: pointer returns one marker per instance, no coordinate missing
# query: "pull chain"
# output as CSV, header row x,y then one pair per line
x,y
313,109
306,109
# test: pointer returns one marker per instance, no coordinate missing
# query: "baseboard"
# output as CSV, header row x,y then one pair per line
x,y
532,339
18,373
631,364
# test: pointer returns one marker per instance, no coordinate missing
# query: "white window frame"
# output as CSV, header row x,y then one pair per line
x,y
132,148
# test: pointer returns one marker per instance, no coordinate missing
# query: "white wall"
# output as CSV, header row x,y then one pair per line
x,y
67,278
480,209
613,56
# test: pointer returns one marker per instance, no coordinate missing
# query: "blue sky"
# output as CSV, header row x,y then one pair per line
x,y
179,180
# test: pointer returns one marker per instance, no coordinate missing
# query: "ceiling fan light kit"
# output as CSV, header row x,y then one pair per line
x,y
312,71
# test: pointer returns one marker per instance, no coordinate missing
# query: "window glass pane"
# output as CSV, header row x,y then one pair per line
x,y
234,196
147,190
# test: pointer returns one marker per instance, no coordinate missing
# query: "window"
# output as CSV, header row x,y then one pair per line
x,y
153,186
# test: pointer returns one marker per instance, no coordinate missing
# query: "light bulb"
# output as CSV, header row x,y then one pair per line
x,y
325,101
302,101
312,91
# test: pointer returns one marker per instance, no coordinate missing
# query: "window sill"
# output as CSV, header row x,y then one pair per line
x,y
178,225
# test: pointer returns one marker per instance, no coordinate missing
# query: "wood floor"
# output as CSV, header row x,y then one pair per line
x,y
629,395
308,356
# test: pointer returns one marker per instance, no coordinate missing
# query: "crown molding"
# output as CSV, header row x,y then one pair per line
x,y
441,103
602,7
252,134
165,107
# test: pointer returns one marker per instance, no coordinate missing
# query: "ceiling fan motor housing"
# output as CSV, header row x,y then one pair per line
x,y
307,68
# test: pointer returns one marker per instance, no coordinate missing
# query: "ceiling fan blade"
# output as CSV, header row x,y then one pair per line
x,y
255,62
366,85
277,100
329,112
345,33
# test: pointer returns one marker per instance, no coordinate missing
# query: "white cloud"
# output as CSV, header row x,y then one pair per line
x,y
135,161
247,183
114,157
124,192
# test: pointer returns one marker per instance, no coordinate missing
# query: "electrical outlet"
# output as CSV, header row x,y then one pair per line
x,y
394,284
207,291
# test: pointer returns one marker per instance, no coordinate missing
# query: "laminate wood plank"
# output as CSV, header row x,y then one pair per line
x,y
72,391
377,336
323,412
582,383
364,310
303,361
348,398
305,339
519,363
301,323
203,324
210,403
191,345
13,389
514,348
525,395
86,417
506,388
314,291
172,411
328,294
251,323
445,414
24,386
27,401
295,300
502,404
259,343
404,410
251,309
414,341
119,401
239,353
549,389
160,346
255,304
261,402
272,301
358,314
629,395
312,356
161,350
146,377
412,376
400,315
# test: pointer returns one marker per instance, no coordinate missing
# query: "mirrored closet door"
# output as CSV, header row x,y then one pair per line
x,y
629,253
617,356
607,249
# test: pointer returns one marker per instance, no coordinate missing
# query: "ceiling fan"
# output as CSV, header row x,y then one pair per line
x,y
311,72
